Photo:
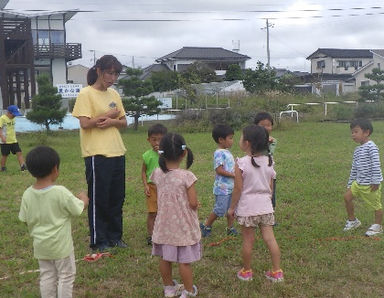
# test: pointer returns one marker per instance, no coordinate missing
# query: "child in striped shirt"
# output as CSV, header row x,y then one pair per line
x,y
365,178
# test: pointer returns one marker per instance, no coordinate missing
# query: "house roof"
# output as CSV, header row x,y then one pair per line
x,y
342,53
203,53
378,52
3,3
68,14
147,71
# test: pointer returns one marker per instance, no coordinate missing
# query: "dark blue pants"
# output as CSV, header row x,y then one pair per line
x,y
106,190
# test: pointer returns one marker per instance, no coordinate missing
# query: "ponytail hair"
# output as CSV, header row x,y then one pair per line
x,y
104,63
258,138
172,147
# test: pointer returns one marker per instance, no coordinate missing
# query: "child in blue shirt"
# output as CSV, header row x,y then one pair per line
x,y
224,166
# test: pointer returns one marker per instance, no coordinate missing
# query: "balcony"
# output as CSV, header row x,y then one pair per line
x,y
69,51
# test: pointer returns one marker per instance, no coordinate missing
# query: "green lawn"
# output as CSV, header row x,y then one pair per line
x,y
318,258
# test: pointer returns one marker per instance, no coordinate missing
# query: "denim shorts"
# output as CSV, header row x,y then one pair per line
x,y
222,204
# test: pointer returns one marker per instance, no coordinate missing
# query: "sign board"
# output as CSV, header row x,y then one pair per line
x,y
69,90
166,102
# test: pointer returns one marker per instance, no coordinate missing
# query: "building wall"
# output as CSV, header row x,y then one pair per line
x,y
77,74
331,65
59,71
378,62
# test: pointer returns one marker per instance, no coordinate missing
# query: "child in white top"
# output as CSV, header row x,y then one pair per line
x,y
251,199
176,233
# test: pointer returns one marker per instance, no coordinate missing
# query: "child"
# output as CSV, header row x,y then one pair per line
x,y
151,162
251,200
265,120
224,166
176,234
47,210
8,137
365,178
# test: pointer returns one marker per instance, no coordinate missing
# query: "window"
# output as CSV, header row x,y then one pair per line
x,y
365,83
43,37
378,66
321,64
57,37
350,63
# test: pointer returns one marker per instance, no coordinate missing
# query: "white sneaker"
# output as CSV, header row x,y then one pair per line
x,y
352,224
186,294
374,230
173,291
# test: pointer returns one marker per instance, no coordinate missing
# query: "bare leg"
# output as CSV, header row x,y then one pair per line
x,y
151,222
348,199
20,158
273,247
230,220
186,275
379,216
3,160
248,241
166,272
211,218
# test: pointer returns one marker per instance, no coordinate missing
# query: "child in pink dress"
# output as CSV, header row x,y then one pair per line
x,y
176,234
251,200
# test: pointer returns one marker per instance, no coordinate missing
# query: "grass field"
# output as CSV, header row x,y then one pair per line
x,y
318,258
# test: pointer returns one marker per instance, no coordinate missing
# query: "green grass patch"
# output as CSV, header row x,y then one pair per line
x,y
319,260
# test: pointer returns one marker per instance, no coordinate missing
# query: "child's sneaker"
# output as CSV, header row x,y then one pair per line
x,y
352,224
3,169
205,230
173,291
231,231
245,275
149,240
185,293
23,168
276,276
374,230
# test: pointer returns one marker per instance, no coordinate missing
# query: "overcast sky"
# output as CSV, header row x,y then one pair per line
x,y
149,29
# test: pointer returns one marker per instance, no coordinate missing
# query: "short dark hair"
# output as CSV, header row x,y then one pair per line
x,y
157,129
221,131
262,116
41,160
364,124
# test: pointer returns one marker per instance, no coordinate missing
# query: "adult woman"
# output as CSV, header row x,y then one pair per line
x,y
100,112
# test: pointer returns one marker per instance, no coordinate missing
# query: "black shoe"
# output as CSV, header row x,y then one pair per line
x,y
119,243
3,169
23,167
149,240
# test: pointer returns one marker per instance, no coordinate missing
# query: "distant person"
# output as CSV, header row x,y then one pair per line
x,y
101,114
8,138
251,200
176,234
150,163
224,166
265,120
47,209
365,177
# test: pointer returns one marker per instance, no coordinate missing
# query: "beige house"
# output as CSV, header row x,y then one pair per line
x,y
77,74
376,62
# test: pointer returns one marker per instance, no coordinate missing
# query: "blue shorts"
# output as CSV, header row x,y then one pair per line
x,y
222,204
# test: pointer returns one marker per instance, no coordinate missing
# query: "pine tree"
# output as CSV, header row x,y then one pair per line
x,y
46,106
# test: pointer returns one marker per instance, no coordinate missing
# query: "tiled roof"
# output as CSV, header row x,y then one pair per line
x,y
378,52
203,53
342,53
153,68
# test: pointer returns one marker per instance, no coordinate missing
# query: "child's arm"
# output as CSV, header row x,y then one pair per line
x,y
377,176
353,173
84,197
238,187
192,197
2,137
220,171
144,179
272,145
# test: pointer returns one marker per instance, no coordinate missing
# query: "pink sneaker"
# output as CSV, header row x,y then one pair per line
x,y
276,276
245,275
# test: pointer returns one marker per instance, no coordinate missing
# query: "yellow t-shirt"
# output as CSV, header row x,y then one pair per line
x,y
96,141
48,213
8,127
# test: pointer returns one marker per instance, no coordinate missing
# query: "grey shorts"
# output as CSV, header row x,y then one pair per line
x,y
222,204
178,254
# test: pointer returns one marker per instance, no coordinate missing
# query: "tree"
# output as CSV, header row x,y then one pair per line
x,y
373,92
46,106
234,72
261,79
164,81
197,73
136,104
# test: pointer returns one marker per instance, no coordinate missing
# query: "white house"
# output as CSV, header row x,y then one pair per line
x,y
376,62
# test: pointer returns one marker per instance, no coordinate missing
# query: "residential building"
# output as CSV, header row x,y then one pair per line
x,y
376,62
30,45
77,74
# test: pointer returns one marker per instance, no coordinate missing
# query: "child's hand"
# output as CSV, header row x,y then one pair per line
x,y
84,197
147,191
271,139
374,187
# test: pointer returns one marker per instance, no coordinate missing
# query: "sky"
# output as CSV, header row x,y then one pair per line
x,y
139,31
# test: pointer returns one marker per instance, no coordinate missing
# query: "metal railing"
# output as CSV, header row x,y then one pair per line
x,y
69,51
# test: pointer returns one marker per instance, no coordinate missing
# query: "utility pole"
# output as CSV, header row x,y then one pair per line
x,y
267,26
133,61
94,56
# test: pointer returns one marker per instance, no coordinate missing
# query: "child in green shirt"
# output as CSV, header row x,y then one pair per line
x,y
151,162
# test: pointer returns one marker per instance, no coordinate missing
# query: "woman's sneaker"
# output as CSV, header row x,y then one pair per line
x,y
173,291
245,275
186,294
352,224
275,276
374,229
